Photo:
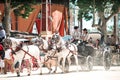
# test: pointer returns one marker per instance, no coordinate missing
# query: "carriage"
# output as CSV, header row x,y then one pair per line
x,y
89,55
104,55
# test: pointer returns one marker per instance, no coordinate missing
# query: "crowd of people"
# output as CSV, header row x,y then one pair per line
x,y
84,37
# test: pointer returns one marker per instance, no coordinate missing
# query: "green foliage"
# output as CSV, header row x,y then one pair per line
x,y
25,7
88,7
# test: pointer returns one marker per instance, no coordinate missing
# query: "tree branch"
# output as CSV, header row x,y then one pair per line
x,y
110,16
16,7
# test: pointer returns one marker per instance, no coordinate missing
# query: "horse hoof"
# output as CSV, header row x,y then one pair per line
x,y
28,74
5,72
49,72
40,73
54,71
62,72
18,75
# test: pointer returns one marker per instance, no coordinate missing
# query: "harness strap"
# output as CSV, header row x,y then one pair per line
x,y
28,54
73,52
25,53
50,57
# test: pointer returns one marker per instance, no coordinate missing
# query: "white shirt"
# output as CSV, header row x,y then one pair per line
x,y
76,35
84,37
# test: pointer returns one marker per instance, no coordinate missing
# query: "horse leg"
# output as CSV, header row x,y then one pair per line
x,y
17,67
55,66
22,66
69,63
63,64
10,62
17,71
48,65
76,61
60,59
41,64
53,63
5,67
29,65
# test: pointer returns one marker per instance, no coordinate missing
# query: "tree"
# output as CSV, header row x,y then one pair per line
x,y
19,7
105,9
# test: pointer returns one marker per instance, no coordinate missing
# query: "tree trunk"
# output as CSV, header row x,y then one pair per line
x,y
114,27
81,24
115,30
102,27
104,31
68,11
7,18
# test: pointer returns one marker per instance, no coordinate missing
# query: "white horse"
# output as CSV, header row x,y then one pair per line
x,y
44,46
25,52
73,52
64,52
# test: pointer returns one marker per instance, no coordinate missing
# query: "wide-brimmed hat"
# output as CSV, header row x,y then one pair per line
x,y
76,27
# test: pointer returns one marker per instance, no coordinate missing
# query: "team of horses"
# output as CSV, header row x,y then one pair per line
x,y
57,53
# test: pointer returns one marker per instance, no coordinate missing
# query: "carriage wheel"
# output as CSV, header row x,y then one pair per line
x,y
89,63
106,60
83,63
83,67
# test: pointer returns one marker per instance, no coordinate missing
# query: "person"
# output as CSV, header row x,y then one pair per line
x,y
76,34
84,35
2,52
108,40
2,33
2,55
1,65
112,40
97,44
90,42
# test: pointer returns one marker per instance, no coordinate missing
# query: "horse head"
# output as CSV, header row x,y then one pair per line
x,y
11,43
56,37
40,41
7,43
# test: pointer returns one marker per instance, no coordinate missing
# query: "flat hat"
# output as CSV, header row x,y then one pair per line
x,y
75,27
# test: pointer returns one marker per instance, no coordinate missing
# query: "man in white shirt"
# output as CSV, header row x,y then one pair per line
x,y
76,34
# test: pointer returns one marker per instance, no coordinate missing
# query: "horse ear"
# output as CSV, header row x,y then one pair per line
x,y
58,33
